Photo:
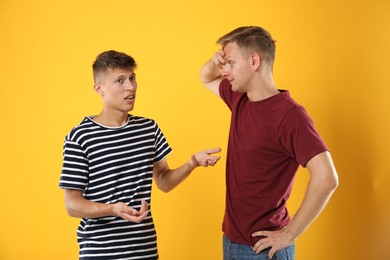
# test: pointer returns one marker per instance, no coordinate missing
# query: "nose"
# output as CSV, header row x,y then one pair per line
x,y
131,85
225,71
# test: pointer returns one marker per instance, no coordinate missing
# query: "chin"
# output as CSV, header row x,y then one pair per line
x,y
236,89
130,108
127,110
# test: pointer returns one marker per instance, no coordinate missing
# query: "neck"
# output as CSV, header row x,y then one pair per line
x,y
112,119
263,87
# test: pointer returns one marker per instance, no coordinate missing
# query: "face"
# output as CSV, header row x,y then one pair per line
x,y
238,68
117,87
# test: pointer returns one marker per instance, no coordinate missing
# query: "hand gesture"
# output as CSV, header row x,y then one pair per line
x,y
205,158
275,240
219,59
128,213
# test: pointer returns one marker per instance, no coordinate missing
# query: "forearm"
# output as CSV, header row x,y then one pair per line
x,y
316,197
169,179
79,207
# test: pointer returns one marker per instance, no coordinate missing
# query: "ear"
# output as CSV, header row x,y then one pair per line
x,y
255,61
98,89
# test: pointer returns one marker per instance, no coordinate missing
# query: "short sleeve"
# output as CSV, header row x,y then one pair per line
x,y
299,137
74,173
226,93
162,147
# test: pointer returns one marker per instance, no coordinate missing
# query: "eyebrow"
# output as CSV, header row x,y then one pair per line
x,y
124,75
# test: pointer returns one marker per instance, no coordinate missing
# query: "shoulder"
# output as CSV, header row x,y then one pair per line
x,y
288,105
143,124
291,115
141,121
84,126
296,112
279,107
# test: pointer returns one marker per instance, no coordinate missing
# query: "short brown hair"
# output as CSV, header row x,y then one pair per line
x,y
252,39
111,60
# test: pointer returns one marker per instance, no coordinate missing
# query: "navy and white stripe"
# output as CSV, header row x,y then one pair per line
x,y
114,165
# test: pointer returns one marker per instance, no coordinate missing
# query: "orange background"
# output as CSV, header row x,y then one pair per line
x,y
332,55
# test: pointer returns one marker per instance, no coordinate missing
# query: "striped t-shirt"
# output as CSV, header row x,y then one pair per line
x,y
114,164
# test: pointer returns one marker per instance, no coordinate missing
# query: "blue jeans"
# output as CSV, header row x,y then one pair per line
x,y
233,251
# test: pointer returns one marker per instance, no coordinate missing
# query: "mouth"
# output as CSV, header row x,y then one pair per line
x,y
132,97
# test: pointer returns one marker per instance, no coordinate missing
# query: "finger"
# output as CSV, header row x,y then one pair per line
x,y
216,158
213,161
261,246
136,219
212,150
260,234
221,55
143,216
257,247
271,253
221,60
134,212
211,158
217,60
130,211
144,206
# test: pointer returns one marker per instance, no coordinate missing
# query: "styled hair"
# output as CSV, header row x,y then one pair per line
x,y
252,39
111,60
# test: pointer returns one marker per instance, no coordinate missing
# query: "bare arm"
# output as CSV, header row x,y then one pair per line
x,y
79,207
211,72
323,182
166,179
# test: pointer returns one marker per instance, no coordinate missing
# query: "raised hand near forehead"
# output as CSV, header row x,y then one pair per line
x,y
219,59
128,213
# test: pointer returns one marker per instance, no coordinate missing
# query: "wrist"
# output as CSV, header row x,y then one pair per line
x,y
112,209
192,163
291,234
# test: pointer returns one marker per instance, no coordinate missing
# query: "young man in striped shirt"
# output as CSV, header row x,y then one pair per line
x,y
108,166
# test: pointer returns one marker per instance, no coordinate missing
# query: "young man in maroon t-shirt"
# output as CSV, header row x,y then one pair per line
x,y
270,136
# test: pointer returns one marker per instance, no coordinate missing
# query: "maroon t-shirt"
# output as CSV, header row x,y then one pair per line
x,y
268,140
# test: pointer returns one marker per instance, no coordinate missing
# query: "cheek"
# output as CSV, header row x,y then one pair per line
x,y
112,96
237,71
115,92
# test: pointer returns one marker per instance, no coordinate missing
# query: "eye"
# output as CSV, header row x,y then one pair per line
x,y
132,78
120,80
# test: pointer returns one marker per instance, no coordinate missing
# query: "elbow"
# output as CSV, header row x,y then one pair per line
x,y
162,181
326,184
164,188
73,200
71,209
332,183
71,212
335,184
